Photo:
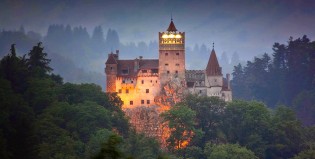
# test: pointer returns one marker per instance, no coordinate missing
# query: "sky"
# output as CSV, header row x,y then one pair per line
x,y
248,27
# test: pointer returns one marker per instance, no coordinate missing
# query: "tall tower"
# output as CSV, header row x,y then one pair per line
x,y
171,54
111,72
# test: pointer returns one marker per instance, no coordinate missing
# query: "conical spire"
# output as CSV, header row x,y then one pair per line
x,y
213,67
171,27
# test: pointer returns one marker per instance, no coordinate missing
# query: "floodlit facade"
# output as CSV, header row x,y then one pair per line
x,y
139,81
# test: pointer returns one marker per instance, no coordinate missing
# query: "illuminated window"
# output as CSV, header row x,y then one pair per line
x,y
142,101
147,91
127,90
119,91
148,101
166,64
131,102
142,81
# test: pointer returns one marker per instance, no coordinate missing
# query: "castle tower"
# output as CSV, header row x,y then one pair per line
x,y
214,71
171,54
111,71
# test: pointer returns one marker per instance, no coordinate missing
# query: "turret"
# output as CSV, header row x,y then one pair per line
x,y
214,71
111,71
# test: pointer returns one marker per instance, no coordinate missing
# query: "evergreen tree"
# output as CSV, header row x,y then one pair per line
x,y
37,62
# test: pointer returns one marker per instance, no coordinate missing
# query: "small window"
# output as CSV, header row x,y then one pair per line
x,y
131,81
151,81
119,91
156,81
124,71
127,90
166,54
177,54
168,72
144,71
142,81
176,72
155,71
131,102
142,101
148,101
215,80
111,68
123,81
147,91
166,64
177,64
200,91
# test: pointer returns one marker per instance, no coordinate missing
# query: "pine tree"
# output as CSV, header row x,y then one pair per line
x,y
37,62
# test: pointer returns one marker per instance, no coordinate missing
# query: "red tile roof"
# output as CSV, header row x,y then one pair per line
x,y
111,59
129,65
172,27
213,67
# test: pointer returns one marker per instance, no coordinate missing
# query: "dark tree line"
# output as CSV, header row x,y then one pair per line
x,y
209,128
287,77
43,117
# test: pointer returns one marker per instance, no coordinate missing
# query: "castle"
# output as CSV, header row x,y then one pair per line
x,y
141,82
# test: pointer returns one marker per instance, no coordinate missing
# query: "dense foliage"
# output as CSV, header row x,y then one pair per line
x,y
288,77
42,117
239,129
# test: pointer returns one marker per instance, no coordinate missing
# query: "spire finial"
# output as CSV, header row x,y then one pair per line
x,y
171,16
213,45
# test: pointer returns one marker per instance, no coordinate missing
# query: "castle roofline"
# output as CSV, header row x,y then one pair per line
x,y
171,27
213,67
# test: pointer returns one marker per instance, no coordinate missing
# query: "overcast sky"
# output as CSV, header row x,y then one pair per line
x,y
249,27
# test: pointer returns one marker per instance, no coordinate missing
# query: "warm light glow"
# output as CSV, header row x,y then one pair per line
x,y
171,36
164,36
178,36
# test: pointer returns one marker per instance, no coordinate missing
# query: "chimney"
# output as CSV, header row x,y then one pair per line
x,y
228,81
136,65
117,54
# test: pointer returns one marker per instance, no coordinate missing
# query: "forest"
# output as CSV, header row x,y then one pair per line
x,y
271,116
43,117
79,56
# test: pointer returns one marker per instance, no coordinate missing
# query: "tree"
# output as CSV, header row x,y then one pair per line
x,y
286,139
110,149
209,112
180,119
247,123
37,63
228,151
